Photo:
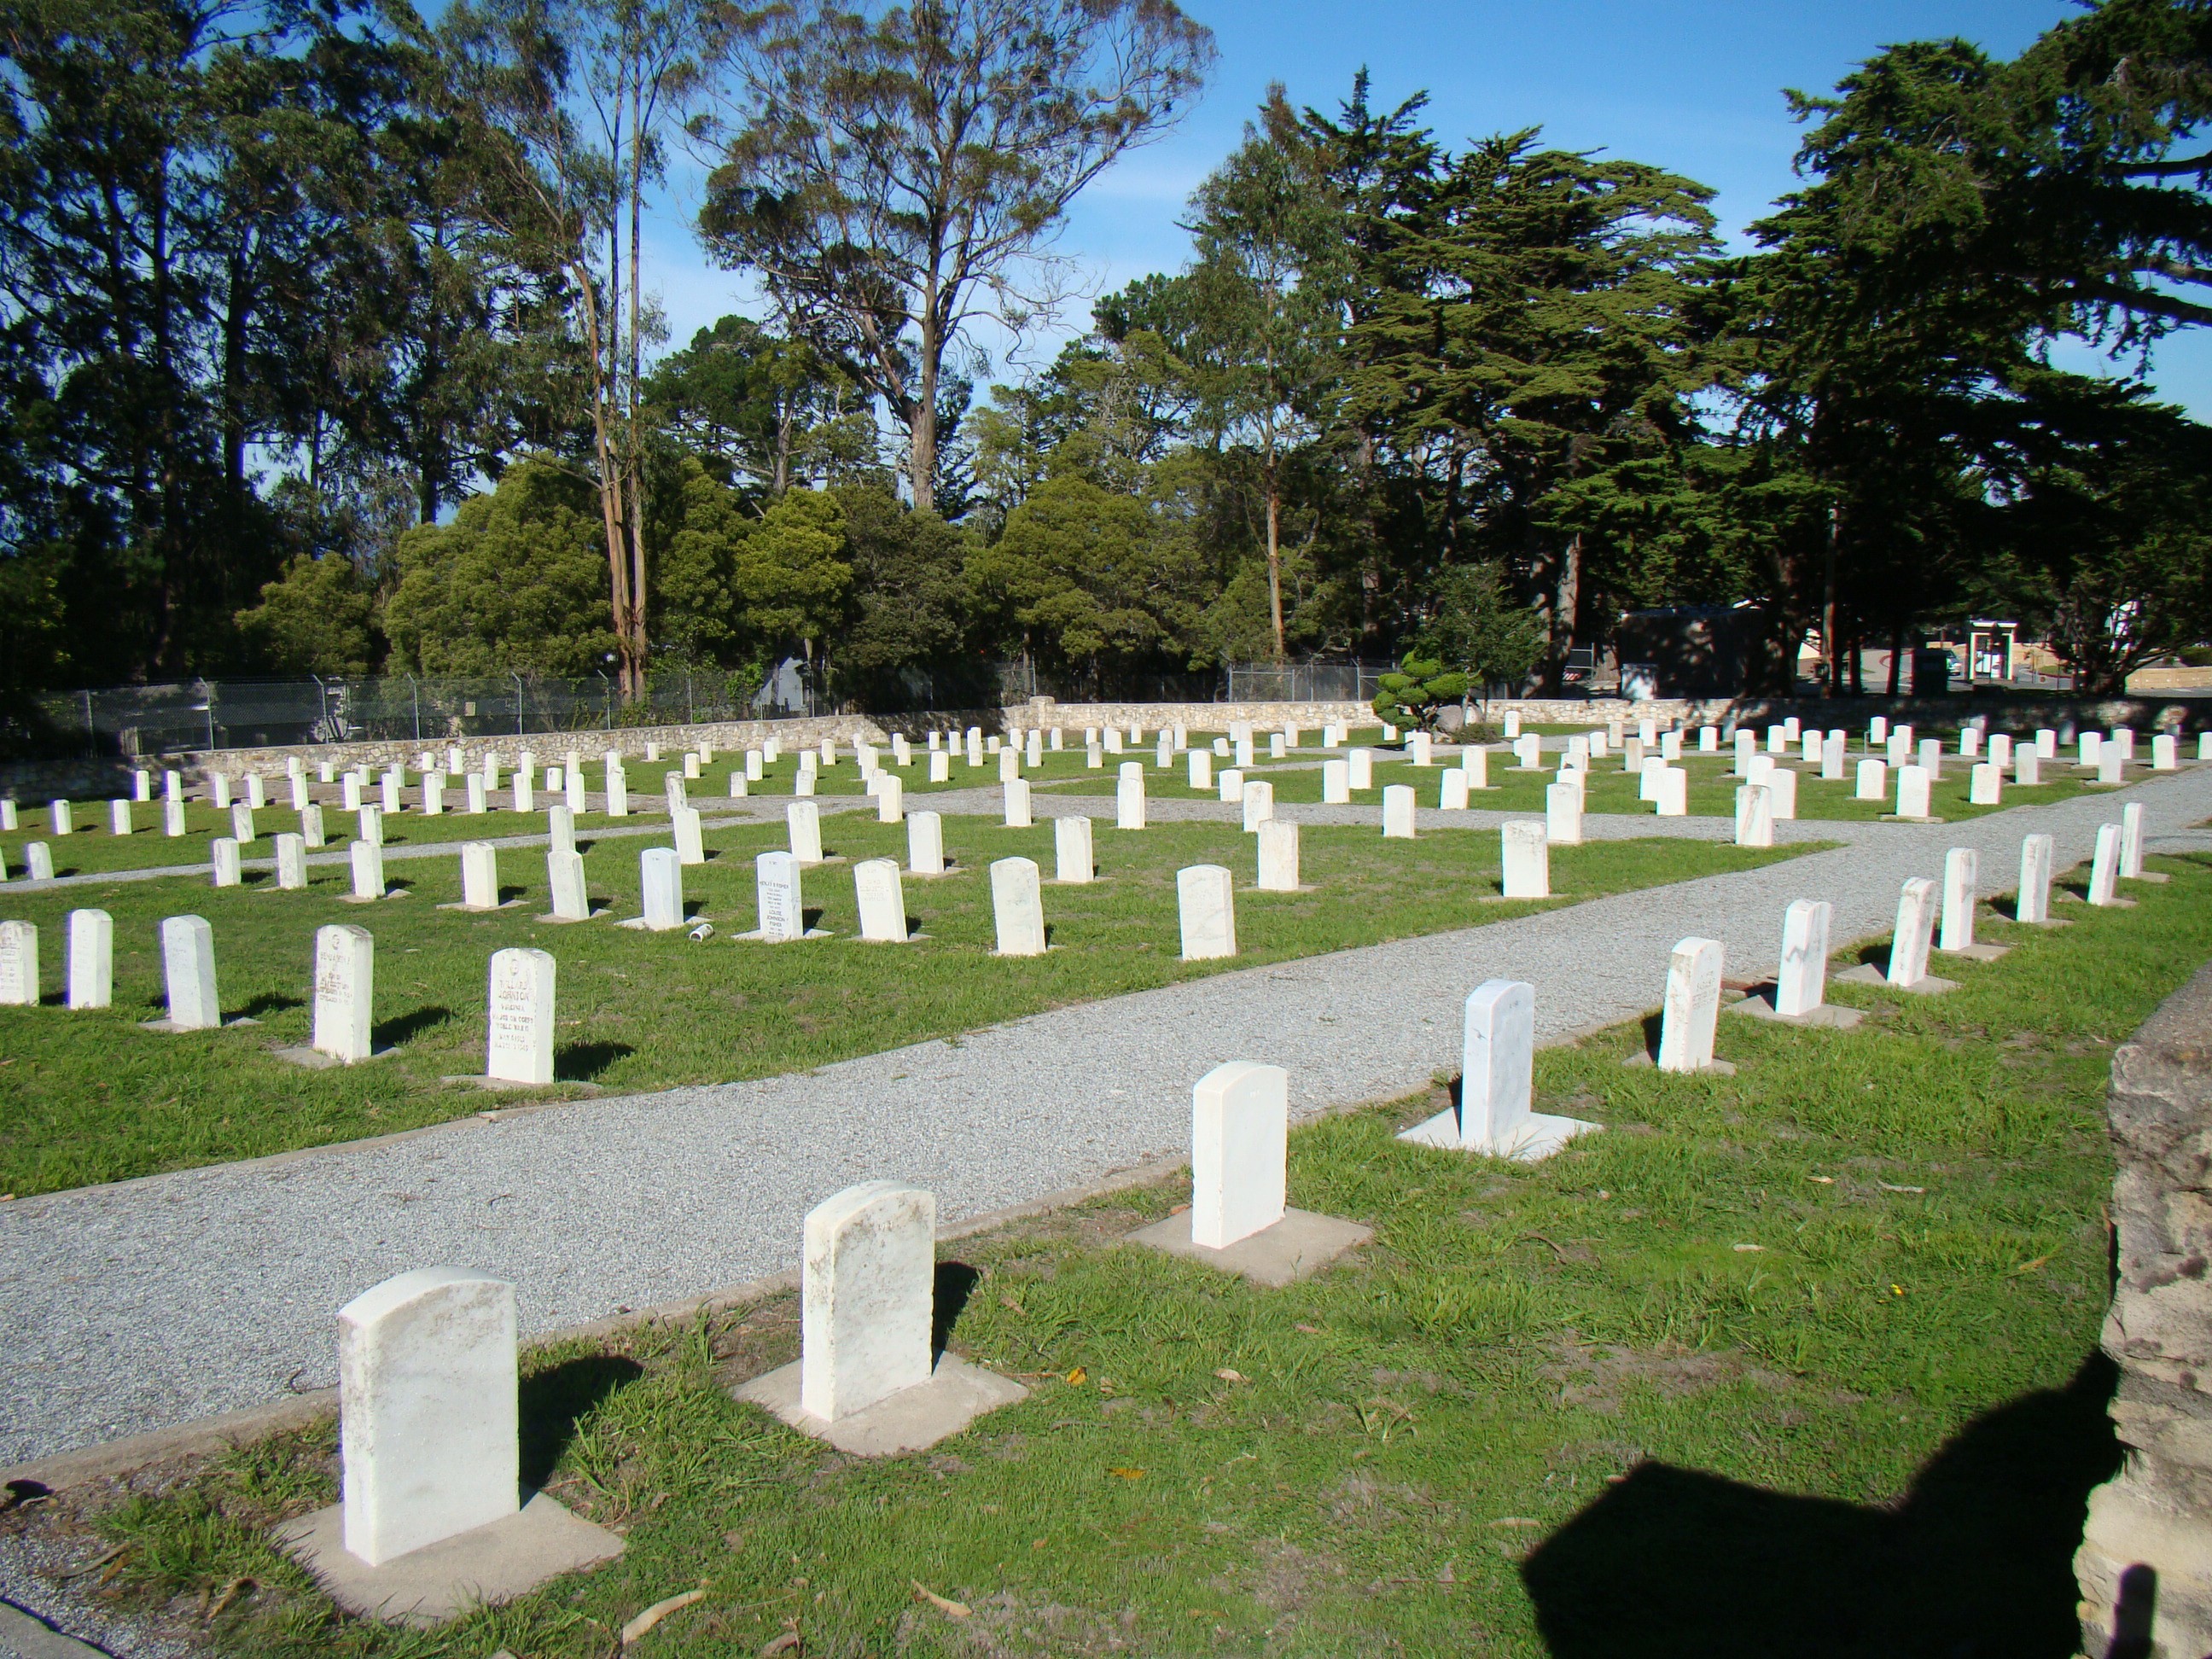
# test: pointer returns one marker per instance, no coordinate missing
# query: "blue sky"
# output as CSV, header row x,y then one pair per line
x,y
1696,88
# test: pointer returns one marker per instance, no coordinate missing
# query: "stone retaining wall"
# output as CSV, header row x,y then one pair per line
x,y
2145,1565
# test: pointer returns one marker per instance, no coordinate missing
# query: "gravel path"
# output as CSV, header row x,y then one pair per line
x,y
155,1302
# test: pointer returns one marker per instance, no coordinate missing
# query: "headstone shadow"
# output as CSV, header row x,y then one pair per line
x,y
269,1002
955,1282
581,1062
1975,1562
394,1033
553,1400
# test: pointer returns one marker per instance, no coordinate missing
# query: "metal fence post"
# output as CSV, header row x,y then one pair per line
x,y
690,706
415,696
91,737
517,678
607,697
210,713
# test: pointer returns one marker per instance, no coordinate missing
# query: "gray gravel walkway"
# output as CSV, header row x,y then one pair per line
x,y
155,1302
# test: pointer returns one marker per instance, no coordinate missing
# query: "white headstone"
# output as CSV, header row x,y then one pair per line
x,y
1259,803
2027,766
1528,753
1073,858
225,862
1206,903
1512,723
867,1299
1985,785
882,899
1524,853
291,863
564,875
2165,755
1931,758
1018,908
940,766
119,818
2033,901
1754,816
1832,758
803,830
221,783
1962,867
1198,766
428,1411
349,792
1915,926
372,825
925,843
1746,745
519,1038
1692,1012
19,964
1361,762
661,872
1243,745
1912,791
345,964
91,967
1672,792
2132,841
1279,856
1239,1156
367,870
480,874
2105,868
2111,759
188,968
1451,791
1129,797
1398,812
1016,803
1670,743
242,824
1801,984
1563,814
1231,783
690,835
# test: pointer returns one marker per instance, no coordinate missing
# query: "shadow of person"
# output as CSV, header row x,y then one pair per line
x,y
553,1400
1975,1562
956,1283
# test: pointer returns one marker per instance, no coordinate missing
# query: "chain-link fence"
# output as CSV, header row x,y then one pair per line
x,y
156,719
1302,682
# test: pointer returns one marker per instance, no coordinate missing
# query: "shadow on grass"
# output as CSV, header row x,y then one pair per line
x,y
581,1062
392,1033
956,1283
1976,1560
260,1007
553,1400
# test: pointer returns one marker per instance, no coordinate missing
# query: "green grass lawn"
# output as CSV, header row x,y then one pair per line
x,y
1800,1361
89,1096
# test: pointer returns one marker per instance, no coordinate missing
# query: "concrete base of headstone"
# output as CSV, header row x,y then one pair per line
x,y
2149,875
1899,817
316,1061
757,937
171,1025
596,915
486,909
1975,952
1297,1247
388,893
1759,1005
500,1085
910,1420
1643,1057
1870,973
1539,1136
691,918
481,1567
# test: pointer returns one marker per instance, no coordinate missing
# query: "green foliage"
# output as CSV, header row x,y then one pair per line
x,y
1418,690
318,618
516,584
1477,626
905,639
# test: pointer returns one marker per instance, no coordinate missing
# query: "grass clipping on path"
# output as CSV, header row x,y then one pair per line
x,y
1801,1360
89,1096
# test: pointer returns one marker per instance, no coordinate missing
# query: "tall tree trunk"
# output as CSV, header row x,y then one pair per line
x,y
1275,554
619,604
1566,600
634,445
1897,660
1830,645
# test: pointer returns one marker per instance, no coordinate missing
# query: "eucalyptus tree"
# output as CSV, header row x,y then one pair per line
x,y
896,175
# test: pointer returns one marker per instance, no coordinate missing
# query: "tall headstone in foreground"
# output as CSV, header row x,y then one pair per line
x,y
1239,1152
291,863
1259,803
2144,1567
1129,797
188,968
2132,841
1914,934
1279,856
867,1294
19,964
345,964
367,870
91,959
2033,902
1754,816
890,798
1205,902
1496,1084
662,874
689,836
1563,814
779,901
1801,984
1018,908
803,826
1962,882
1526,860
1017,805
924,842
1073,860
519,1035
882,900
225,862
429,1423
1692,1012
